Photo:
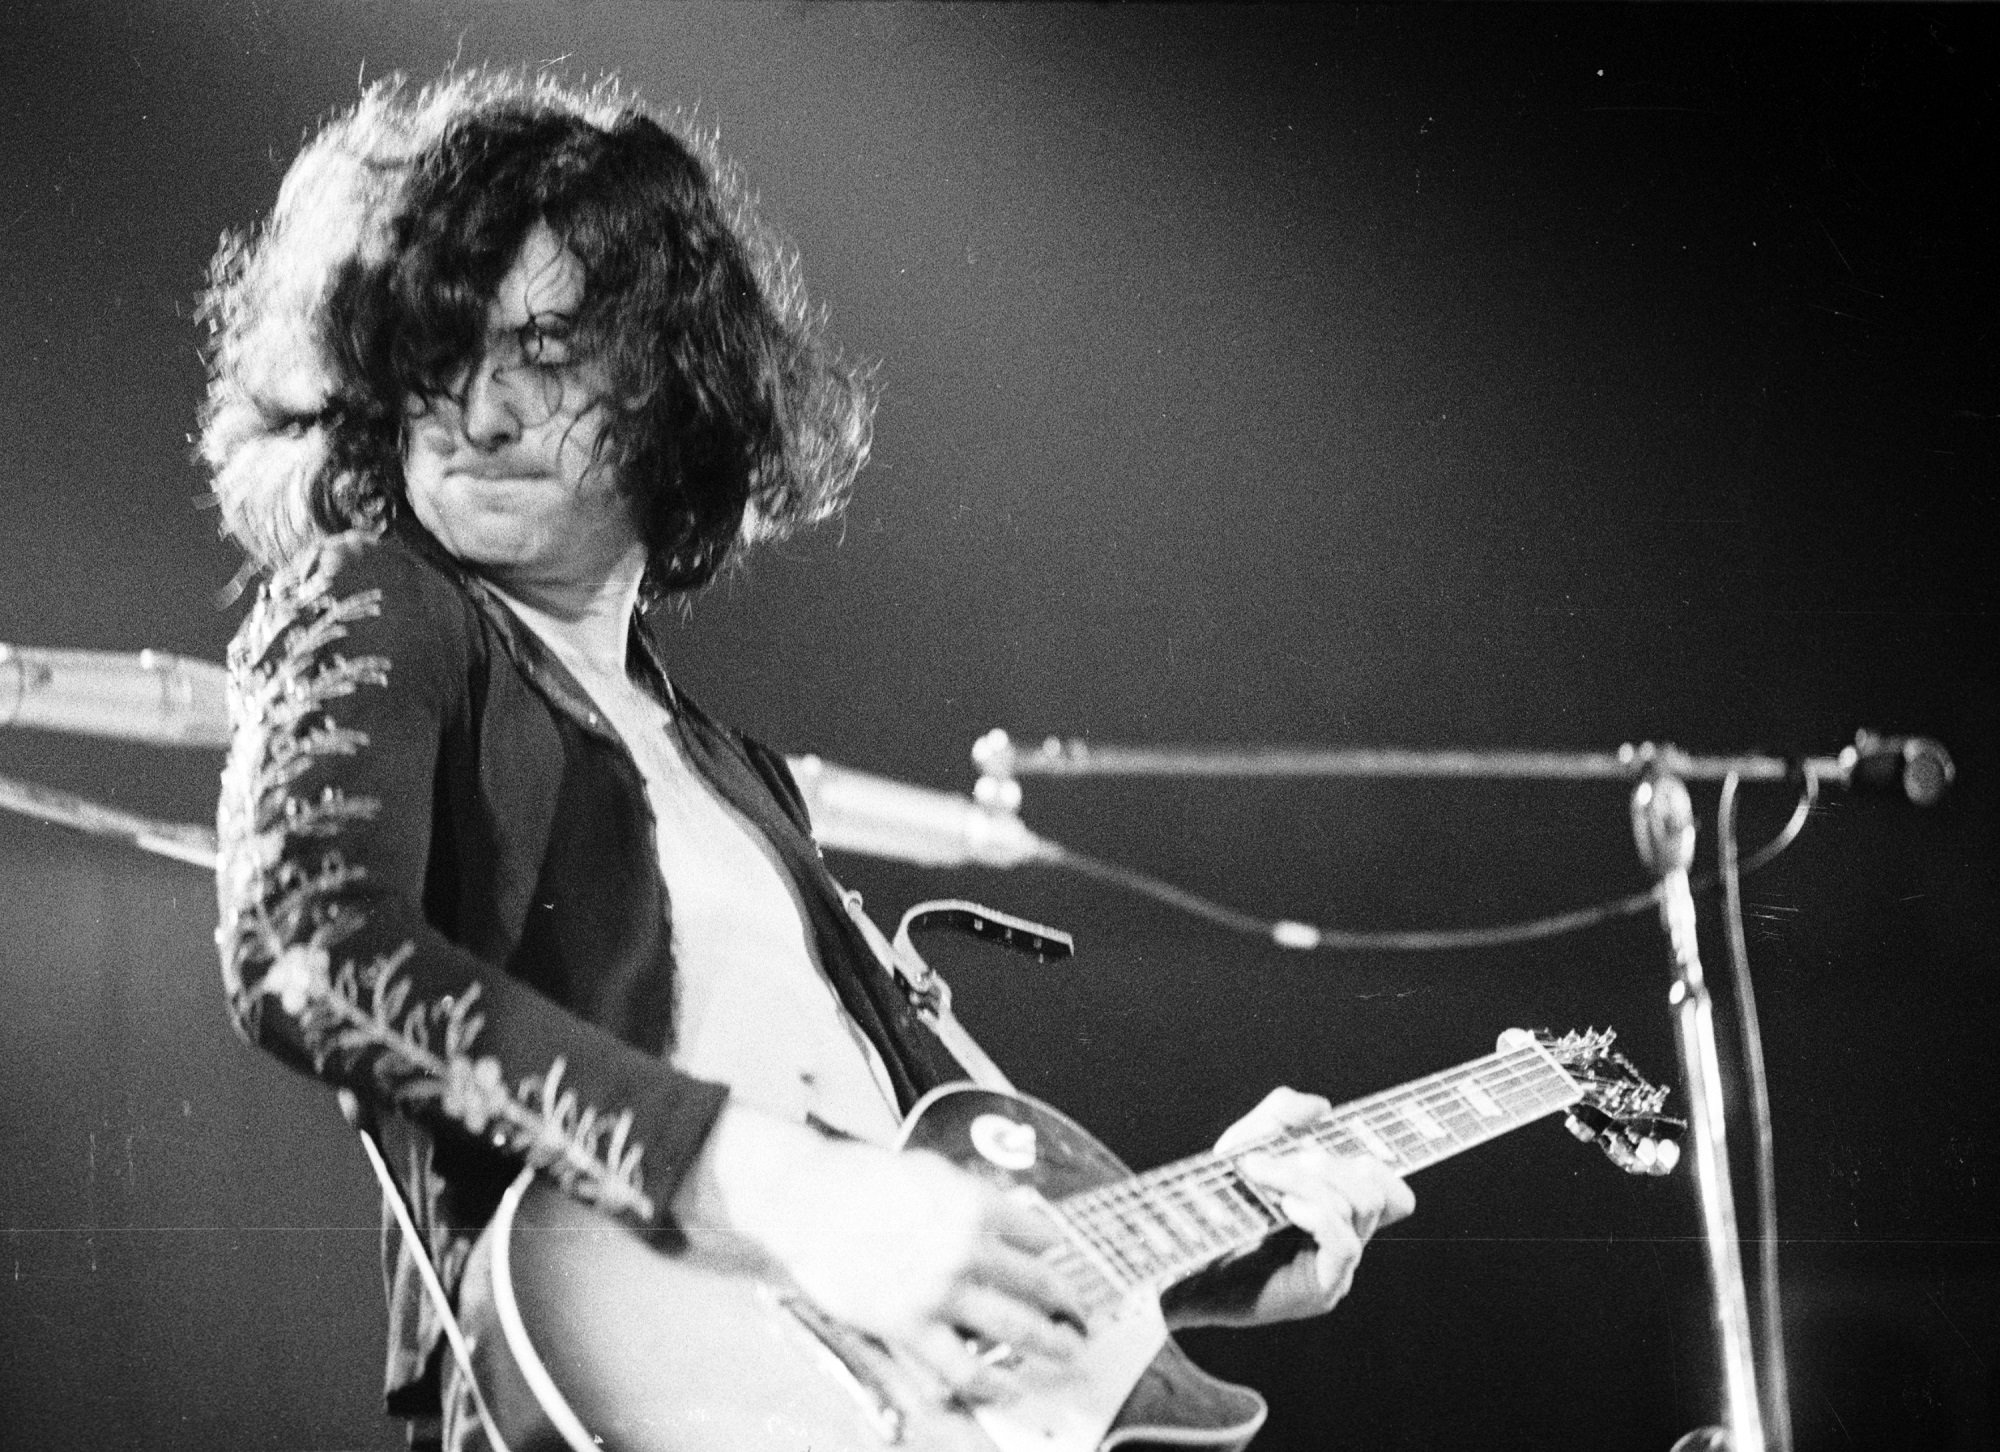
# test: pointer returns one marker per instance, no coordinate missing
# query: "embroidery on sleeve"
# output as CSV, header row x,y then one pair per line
x,y
286,919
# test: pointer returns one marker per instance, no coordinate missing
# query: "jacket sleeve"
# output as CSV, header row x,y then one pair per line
x,y
344,682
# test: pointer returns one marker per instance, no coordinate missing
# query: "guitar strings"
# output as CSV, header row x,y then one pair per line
x,y
1129,1223
1380,1113
1143,1221
1128,1206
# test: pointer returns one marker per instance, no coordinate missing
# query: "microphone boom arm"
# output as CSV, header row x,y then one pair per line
x,y
1921,765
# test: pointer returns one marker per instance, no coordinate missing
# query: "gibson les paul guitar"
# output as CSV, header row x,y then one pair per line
x,y
587,1337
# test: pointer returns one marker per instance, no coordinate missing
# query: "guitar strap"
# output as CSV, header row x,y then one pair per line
x,y
362,1121
930,994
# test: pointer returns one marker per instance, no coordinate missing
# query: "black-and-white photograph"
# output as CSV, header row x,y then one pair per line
x,y
998,727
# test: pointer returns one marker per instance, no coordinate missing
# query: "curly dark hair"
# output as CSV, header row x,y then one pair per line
x,y
368,285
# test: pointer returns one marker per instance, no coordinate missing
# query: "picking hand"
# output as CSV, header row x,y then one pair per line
x,y
908,1248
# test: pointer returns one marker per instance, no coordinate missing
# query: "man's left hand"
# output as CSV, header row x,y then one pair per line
x,y
1338,1203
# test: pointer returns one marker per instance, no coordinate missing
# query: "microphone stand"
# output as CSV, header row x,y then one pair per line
x,y
1663,829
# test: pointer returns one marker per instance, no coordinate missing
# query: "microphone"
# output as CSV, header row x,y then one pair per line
x,y
856,811
172,700
167,700
1919,765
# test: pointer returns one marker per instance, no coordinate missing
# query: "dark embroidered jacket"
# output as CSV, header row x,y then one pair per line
x,y
439,889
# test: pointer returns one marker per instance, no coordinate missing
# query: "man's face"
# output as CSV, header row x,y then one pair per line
x,y
504,471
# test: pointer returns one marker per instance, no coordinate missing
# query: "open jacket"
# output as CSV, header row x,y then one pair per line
x,y
439,890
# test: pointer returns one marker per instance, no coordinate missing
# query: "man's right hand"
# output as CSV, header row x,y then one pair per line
x,y
905,1246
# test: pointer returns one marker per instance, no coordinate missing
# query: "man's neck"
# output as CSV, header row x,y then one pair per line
x,y
587,623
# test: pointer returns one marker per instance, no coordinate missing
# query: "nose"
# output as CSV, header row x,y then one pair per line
x,y
492,412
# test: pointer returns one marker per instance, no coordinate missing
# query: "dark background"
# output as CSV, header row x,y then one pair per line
x,y
1495,377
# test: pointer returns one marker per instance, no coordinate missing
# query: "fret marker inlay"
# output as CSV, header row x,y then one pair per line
x,y
1373,1142
1427,1126
1476,1095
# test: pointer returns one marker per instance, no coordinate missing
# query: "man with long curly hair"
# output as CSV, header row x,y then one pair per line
x,y
509,362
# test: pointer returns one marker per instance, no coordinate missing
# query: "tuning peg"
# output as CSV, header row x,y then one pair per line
x,y
1641,1154
1622,1153
1587,1121
1661,1149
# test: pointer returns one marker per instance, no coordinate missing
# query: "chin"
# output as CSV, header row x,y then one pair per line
x,y
495,549
480,543
472,529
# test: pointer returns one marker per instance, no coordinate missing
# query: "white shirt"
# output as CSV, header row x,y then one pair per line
x,y
753,1009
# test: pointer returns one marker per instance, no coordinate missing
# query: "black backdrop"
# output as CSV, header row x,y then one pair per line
x,y
1462,376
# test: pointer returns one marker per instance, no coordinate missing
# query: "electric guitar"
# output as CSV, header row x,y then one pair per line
x,y
586,1337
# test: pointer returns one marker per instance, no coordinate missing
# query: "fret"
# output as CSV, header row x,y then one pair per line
x,y
1209,1207
1533,1078
1255,1216
1524,1072
1158,1229
1102,1227
1385,1121
1179,1204
1134,1244
1087,1275
1335,1136
1518,1096
1102,1283
1401,1135
1247,1217
1090,1243
1461,1122
1201,1224
1530,1102
1174,1236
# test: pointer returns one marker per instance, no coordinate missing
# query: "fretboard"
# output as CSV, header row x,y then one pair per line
x,y
1155,1228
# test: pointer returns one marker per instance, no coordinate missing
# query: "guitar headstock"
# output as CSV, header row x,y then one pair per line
x,y
1620,1109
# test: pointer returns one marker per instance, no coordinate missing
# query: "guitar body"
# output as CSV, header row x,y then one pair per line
x,y
586,1334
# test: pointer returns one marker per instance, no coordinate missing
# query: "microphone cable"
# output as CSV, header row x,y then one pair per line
x,y
1304,937
1777,1409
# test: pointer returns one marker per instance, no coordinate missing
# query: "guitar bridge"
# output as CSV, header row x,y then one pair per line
x,y
854,1361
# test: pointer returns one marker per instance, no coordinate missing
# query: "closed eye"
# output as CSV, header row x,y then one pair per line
x,y
545,341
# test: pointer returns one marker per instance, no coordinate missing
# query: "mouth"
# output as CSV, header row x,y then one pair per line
x,y
481,474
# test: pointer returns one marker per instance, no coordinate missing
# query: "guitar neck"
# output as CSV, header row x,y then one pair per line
x,y
1153,1229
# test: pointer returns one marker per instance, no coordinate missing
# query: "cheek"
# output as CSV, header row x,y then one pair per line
x,y
420,488
421,466
427,439
579,450
425,452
